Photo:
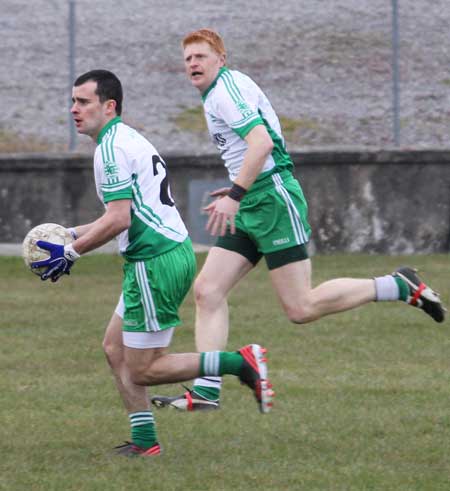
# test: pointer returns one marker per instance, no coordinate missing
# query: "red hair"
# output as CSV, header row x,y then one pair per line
x,y
206,35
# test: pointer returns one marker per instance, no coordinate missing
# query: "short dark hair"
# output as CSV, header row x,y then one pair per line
x,y
108,86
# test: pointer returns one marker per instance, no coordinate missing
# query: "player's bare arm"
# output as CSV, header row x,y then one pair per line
x,y
115,220
224,209
260,145
80,230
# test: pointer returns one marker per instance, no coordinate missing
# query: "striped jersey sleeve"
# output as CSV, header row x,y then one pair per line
x,y
113,170
237,106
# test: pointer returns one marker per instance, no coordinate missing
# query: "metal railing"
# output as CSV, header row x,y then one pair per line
x,y
395,70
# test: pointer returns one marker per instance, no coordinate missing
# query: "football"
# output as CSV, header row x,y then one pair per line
x,y
50,232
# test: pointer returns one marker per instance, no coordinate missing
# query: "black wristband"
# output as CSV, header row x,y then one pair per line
x,y
237,192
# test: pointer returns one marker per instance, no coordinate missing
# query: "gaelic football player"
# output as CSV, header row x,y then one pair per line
x,y
159,264
262,214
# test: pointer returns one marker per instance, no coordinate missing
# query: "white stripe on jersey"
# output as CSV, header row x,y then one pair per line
x,y
116,186
107,145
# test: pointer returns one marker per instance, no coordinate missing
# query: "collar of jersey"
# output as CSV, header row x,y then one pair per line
x,y
208,90
107,126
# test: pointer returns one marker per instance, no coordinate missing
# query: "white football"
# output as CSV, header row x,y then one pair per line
x,y
50,232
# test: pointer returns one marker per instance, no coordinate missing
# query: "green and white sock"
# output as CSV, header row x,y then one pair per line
x,y
208,387
220,363
143,430
403,288
389,288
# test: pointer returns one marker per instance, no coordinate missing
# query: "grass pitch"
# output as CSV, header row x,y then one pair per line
x,y
362,397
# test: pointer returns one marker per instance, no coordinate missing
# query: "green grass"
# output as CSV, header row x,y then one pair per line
x,y
362,398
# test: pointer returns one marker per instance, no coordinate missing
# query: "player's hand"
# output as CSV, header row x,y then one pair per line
x,y
221,213
59,262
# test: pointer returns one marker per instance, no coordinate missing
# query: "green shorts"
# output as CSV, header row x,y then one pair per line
x,y
154,289
272,221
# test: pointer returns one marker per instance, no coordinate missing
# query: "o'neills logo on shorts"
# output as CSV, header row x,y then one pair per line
x,y
285,240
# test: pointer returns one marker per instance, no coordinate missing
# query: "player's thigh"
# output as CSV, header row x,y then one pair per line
x,y
221,271
113,332
142,349
292,282
140,361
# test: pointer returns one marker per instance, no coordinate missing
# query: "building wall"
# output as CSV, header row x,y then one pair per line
x,y
390,202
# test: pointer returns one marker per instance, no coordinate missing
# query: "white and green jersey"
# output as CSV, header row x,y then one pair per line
x,y
127,166
233,106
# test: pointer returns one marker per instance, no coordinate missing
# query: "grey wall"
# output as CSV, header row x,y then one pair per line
x,y
377,202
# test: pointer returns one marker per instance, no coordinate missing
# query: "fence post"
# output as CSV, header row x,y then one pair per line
x,y
395,74
72,40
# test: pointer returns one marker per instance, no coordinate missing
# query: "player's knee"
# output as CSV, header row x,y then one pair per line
x,y
113,353
300,314
200,290
144,375
206,293
137,376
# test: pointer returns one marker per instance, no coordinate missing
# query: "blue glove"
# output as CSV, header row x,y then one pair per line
x,y
60,261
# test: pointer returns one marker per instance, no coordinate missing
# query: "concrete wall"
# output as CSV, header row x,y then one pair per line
x,y
359,201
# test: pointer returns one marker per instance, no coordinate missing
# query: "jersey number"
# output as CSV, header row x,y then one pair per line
x,y
164,192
